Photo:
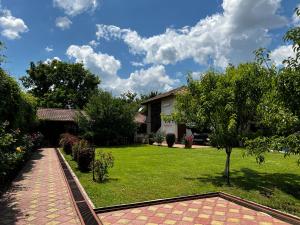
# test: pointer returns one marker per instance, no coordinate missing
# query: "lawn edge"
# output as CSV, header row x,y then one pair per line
x,y
84,210
77,180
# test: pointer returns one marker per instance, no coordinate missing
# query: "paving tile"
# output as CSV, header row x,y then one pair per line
x,y
217,211
39,195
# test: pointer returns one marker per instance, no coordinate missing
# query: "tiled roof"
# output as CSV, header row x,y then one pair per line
x,y
140,118
57,114
164,95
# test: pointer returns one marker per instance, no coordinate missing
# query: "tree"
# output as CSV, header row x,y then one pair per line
x,y
109,118
280,111
59,84
17,108
293,35
225,103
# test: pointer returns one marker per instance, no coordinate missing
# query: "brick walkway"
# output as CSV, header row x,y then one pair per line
x,y
39,195
215,211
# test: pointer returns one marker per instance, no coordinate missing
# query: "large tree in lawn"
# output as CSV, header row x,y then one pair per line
x,y
60,84
225,103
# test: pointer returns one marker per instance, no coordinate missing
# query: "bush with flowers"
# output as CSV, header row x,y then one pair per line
x,y
188,141
15,149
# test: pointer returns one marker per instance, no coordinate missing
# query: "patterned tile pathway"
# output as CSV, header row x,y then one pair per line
x,y
39,195
215,211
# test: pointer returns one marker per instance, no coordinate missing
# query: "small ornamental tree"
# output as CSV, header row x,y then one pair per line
x,y
224,103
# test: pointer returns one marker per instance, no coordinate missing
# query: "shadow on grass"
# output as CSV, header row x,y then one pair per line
x,y
248,179
10,212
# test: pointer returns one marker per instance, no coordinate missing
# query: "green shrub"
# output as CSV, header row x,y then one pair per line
x,y
81,144
37,139
159,138
84,156
102,164
67,141
170,138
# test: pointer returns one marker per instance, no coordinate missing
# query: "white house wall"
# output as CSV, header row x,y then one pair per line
x,y
167,107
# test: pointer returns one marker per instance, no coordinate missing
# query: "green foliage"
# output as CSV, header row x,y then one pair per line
x,y
288,85
104,162
159,137
59,84
260,145
84,156
170,138
80,144
15,149
293,35
110,120
16,107
67,141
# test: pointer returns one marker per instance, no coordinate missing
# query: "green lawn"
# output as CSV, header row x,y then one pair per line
x,y
150,172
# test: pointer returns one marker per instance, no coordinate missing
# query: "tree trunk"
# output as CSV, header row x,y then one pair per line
x,y
227,165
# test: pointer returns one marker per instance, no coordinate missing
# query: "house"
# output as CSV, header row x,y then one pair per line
x,y
163,104
53,122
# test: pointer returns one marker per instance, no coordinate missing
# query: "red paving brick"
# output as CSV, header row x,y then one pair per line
x,y
215,211
40,195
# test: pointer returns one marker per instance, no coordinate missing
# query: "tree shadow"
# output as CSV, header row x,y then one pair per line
x,y
10,212
248,179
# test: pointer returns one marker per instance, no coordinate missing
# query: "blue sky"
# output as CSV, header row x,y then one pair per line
x,y
143,45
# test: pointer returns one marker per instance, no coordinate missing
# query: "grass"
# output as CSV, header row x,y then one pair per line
x,y
150,172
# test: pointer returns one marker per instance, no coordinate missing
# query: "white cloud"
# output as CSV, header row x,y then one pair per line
x,y
48,49
227,37
107,67
75,7
154,78
48,61
94,43
103,65
11,27
137,64
63,22
281,53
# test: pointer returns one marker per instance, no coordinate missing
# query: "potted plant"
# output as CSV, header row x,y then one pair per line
x,y
159,138
170,138
188,141
151,139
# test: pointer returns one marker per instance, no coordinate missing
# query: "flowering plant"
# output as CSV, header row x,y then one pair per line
x,y
188,141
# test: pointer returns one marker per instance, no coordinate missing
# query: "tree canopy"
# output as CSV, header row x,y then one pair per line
x,y
17,108
109,119
59,84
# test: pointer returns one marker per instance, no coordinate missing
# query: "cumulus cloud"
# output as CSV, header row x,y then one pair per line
x,y
107,67
227,37
11,27
146,80
63,22
281,53
75,7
